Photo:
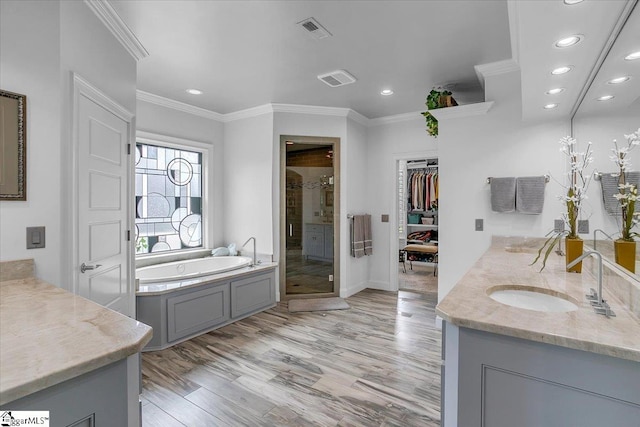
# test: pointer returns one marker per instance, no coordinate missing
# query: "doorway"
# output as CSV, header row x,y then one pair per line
x,y
418,221
309,206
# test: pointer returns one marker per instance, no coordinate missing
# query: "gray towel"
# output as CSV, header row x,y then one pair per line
x,y
609,183
357,236
503,194
530,194
368,242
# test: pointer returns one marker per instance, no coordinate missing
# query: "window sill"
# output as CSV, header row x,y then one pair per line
x,y
161,258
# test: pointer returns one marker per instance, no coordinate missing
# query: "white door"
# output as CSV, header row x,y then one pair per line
x,y
102,215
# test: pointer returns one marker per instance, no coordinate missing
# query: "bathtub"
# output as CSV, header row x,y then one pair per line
x,y
187,269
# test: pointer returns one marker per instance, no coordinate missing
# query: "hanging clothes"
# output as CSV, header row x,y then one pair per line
x,y
423,189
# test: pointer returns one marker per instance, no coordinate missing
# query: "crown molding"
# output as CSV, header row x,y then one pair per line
x,y
514,29
358,118
495,68
177,105
247,113
460,111
397,118
110,18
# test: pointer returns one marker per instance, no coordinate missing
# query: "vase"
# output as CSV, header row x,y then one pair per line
x,y
626,254
574,247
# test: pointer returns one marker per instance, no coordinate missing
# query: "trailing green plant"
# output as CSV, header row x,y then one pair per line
x,y
433,102
576,192
141,244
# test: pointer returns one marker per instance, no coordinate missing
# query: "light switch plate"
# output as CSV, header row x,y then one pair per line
x,y
558,225
583,226
35,237
385,218
479,224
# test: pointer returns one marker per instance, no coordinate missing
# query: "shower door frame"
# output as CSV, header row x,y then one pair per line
x,y
335,143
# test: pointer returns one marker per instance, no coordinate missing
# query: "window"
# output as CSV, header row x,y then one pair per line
x,y
169,198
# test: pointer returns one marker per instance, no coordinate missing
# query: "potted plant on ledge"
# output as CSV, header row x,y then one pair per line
x,y
625,246
437,99
576,192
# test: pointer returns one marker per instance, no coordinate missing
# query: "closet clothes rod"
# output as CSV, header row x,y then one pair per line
x,y
546,179
421,166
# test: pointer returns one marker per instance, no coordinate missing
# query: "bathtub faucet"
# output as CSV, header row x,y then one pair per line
x,y
254,263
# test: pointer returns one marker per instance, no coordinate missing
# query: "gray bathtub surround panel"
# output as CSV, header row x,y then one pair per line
x,y
16,270
530,194
503,194
180,313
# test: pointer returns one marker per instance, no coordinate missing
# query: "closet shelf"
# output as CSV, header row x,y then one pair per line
x,y
424,226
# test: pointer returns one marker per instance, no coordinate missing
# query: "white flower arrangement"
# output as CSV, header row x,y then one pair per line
x,y
579,179
627,193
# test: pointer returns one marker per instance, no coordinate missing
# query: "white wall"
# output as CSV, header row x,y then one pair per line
x,y
165,121
40,44
354,177
352,184
88,49
248,182
470,150
30,65
386,144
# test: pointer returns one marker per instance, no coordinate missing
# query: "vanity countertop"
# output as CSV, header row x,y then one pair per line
x,y
49,335
158,288
506,262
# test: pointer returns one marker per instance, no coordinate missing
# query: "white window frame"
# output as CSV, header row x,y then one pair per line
x,y
207,160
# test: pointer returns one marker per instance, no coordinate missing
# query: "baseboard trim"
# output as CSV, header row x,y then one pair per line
x,y
352,290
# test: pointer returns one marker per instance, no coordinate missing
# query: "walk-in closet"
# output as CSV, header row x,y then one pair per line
x,y
418,194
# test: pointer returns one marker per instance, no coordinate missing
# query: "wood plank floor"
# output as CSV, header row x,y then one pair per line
x,y
376,364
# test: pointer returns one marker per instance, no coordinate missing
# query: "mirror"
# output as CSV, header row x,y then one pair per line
x,y
601,121
13,142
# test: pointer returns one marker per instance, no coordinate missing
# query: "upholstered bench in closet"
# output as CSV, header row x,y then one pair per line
x,y
422,253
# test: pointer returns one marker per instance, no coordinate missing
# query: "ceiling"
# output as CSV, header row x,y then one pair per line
x,y
539,24
242,54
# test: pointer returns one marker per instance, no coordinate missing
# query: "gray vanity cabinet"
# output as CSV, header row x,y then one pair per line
x,y
500,381
318,241
180,314
93,399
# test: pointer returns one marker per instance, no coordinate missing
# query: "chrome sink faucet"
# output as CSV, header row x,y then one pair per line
x,y
254,263
599,304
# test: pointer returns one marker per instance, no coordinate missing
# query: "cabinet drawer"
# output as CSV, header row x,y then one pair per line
x,y
315,228
252,294
198,310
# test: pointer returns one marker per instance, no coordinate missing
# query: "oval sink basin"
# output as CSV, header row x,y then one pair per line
x,y
533,299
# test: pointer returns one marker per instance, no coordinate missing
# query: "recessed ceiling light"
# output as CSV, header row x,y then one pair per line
x,y
570,2
555,91
194,91
386,92
569,41
605,98
561,70
550,106
632,56
618,80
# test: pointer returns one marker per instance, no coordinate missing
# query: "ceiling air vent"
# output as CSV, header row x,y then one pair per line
x,y
337,78
314,29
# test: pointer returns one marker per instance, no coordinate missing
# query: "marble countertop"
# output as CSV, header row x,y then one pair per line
x,y
48,335
506,262
158,288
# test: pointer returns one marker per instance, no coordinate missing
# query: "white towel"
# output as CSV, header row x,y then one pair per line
x,y
530,194
503,194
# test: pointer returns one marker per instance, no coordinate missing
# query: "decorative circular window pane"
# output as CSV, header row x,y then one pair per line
x,y
179,171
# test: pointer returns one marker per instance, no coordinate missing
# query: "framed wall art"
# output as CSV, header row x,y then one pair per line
x,y
13,146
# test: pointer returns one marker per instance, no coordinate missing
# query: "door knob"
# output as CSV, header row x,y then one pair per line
x,y
84,267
